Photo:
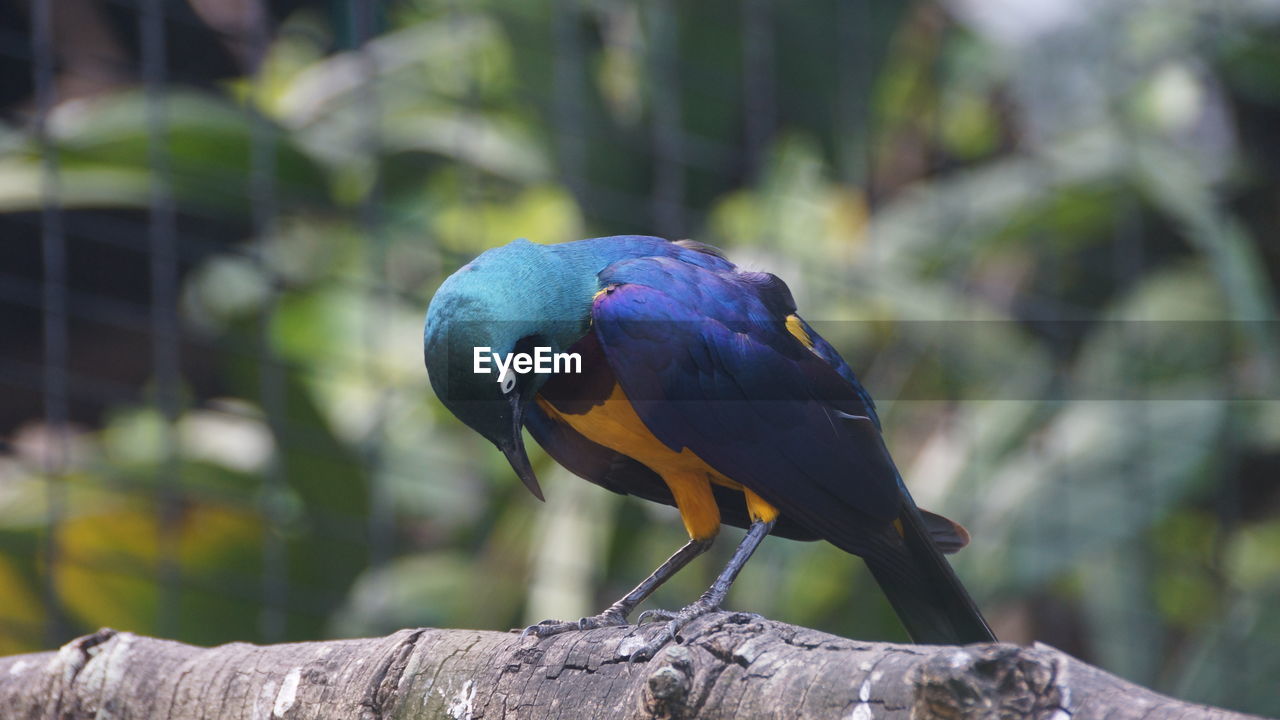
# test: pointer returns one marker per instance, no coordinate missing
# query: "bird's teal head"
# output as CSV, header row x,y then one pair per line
x,y
521,298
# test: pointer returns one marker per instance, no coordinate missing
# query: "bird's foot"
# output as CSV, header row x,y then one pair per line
x,y
675,622
547,628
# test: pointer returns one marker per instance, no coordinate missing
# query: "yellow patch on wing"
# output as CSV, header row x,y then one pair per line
x,y
796,327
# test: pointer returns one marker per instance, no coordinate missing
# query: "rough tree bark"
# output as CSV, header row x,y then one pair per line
x,y
729,666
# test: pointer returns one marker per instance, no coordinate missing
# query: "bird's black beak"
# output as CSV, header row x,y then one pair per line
x,y
513,448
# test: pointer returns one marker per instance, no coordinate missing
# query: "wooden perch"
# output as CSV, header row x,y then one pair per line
x,y
730,666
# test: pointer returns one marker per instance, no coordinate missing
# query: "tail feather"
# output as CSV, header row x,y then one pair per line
x,y
923,589
949,535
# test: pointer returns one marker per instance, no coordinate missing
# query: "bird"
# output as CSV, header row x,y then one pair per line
x,y
698,385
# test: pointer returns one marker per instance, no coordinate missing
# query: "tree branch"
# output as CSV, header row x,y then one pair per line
x,y
730,665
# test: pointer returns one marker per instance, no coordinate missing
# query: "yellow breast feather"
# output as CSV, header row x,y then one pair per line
x,y
614,424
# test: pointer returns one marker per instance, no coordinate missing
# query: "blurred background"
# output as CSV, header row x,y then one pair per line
x,y
1043,232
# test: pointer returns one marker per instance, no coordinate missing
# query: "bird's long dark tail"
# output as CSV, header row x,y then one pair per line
x,y
924,590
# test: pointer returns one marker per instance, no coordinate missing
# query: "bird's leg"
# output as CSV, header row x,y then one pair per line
x,y
616,614
710,600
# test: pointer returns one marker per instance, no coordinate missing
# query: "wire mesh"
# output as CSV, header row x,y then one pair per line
x,y
53,250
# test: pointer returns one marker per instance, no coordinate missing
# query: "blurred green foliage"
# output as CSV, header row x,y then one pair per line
x,y
1037,242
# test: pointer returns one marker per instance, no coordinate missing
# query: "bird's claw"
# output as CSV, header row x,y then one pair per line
x,y
655,616
543,629
676,621
547,628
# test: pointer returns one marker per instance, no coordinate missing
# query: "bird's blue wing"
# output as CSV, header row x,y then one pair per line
x,y
708,363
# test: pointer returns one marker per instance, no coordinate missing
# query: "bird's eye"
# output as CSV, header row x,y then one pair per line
x,y
507,381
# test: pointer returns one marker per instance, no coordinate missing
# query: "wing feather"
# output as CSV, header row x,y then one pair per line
x,y
706,360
